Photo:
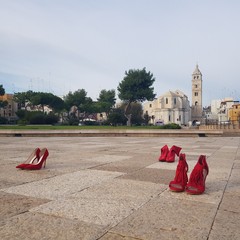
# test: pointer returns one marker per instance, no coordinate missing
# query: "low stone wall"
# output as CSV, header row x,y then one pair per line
x,y
229,130
112,133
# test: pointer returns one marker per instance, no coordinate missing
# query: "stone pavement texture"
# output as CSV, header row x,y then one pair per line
x,y
114,188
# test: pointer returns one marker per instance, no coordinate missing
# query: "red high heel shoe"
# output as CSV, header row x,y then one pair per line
x,y
180,181
174,150
164,153
34,156
196,184
41,162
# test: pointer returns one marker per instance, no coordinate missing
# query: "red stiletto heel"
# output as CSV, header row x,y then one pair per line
x,y
34,156
164,153
174,150
196,184
41,162
180,181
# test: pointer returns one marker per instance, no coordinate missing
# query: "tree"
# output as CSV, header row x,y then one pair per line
x,y
116,117
136,86
136,111
106,100
75,98
76,101
2,92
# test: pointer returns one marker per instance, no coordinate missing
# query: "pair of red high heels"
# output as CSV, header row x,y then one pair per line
x,y
168,155
196,182
36,160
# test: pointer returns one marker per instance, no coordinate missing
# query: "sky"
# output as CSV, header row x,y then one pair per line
x,y
64,45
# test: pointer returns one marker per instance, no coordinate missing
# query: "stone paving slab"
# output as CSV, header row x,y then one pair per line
x,y
151,175
37,226
131,165
11,205
106,204
169,218
226,226
63,185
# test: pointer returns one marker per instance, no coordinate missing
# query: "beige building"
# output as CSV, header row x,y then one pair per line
x,y
234,113
9,111
171,107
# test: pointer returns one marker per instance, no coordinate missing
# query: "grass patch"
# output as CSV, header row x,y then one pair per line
x,y
50,127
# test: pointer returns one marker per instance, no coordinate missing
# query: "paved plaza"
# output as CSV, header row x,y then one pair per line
x,y
114,188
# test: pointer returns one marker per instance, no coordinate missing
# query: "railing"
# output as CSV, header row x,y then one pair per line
x,y
220,126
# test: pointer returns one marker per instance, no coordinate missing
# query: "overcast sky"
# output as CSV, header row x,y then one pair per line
x,y
64,45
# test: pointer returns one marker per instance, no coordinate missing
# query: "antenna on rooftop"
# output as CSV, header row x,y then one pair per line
x,y
13,88
30,86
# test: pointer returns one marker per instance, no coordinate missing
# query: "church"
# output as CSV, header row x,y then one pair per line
x,y
174,106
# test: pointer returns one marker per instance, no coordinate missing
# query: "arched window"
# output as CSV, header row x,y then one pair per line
x,y
166,100
196,103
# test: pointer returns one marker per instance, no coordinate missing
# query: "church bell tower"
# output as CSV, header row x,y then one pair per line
x,y
196,95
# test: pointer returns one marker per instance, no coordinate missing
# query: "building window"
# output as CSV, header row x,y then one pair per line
x,y
175,101
166,100
169,118
196,94
150,105
180,118
196,86
196,103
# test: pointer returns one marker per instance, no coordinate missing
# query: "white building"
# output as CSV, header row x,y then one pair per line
x,y
171,107
220,108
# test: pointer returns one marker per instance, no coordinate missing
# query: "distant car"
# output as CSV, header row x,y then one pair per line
x,y
159,123
225,122
196,123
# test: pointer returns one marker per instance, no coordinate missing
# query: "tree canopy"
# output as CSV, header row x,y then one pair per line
x,y
106,100
76,98
2,92
136,86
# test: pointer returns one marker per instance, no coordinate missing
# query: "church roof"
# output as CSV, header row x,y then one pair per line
x,y
197,71
176,93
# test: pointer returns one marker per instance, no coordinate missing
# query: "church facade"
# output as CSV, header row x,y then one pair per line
x,y
174,106
171,107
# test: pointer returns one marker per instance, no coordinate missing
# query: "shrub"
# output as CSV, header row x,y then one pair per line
x,y
171,126
37,119
3,120
51,119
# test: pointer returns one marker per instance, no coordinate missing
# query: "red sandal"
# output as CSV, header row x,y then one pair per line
x,y
180,181
196,184
174,150
164,153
